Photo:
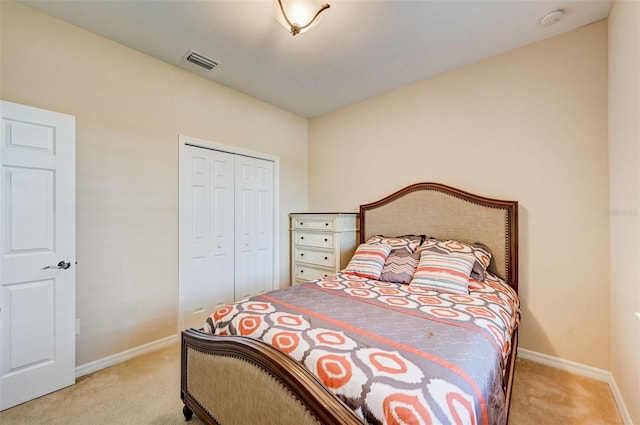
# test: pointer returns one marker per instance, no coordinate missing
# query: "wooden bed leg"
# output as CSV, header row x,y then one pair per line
x,y
187,413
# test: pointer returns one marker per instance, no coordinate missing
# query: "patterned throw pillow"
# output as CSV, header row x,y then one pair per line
x,y
368,260
400,266
481,252
444,272
402,261
411,242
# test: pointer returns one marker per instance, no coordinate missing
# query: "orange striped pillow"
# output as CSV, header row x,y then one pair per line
x,y
368,260
480,250
444,272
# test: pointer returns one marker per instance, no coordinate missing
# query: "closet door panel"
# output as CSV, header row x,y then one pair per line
x,y
209,248
196,166
222,223
254,226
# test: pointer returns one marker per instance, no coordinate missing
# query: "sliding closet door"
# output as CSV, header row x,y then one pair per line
x,y
227,228
254,226
208,233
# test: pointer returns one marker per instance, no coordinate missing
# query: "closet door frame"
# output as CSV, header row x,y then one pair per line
x,y
191,141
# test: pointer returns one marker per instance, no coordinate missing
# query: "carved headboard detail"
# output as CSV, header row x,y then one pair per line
x,y
445,212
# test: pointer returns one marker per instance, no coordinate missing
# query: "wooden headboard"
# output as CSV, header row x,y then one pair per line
x,y
445,212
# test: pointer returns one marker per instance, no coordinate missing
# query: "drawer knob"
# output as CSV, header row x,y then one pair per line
x,y
326,224
302,254
325,239
326,258
301,271
301,224
301,237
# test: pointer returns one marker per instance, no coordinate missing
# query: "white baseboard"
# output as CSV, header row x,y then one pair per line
x,y
566,365
97,365
622,407
582,370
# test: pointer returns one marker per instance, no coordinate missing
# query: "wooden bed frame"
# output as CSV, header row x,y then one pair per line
x,y
224,378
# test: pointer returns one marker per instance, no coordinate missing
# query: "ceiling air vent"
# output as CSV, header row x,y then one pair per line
x,y
200,60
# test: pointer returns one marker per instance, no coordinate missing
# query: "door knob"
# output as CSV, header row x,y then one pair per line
x,y
61,265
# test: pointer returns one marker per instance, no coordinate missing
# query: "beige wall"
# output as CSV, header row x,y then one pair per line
x,y
130,109
529,125
624,199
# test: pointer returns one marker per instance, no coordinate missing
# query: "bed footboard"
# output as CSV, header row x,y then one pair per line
x,y
238,380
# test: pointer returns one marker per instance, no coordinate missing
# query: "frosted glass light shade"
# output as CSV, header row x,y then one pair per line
x,y
299,15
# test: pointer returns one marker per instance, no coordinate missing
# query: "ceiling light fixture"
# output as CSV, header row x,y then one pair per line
x,y
294,15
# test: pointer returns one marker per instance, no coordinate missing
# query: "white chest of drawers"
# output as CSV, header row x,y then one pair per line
x,y
321,244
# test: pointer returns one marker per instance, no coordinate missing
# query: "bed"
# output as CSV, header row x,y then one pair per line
x,y
356,350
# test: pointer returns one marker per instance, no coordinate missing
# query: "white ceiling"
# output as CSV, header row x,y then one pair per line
x,y
359,49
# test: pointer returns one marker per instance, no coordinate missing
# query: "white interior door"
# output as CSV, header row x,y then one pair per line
x,y
254,226
37,218
228,230
208,239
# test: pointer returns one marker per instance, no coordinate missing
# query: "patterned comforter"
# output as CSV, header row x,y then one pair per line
x,y
396,354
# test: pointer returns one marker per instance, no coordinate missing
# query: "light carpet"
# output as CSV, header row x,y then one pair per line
x,y
146,390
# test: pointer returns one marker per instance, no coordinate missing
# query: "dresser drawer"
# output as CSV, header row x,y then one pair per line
x,y
323,240
314,223
303,272
322,258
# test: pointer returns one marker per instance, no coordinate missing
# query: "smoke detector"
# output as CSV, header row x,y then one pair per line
x,y
551,18
200,60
